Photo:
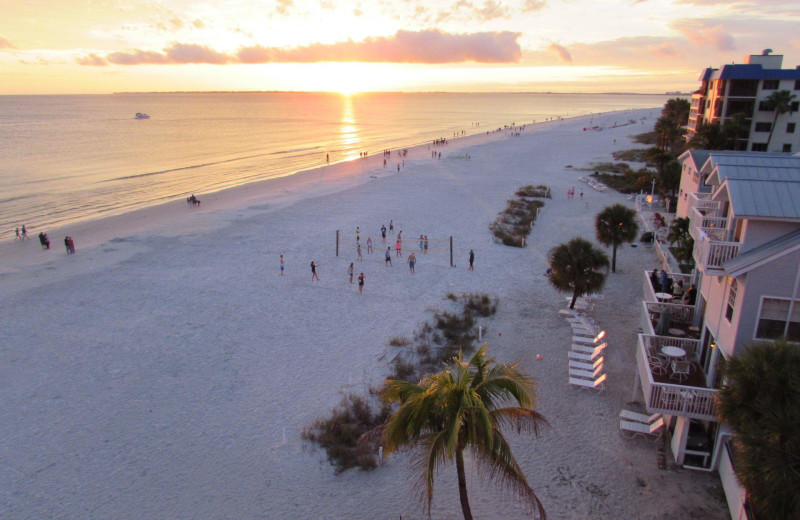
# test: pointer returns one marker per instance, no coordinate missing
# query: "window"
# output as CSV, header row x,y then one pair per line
x,y
762,107
774,321
790,128
731,300
787,147
763,127
795,106
797,84
770,84
759,147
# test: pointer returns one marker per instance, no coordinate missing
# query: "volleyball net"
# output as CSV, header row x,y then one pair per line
x,y
439,247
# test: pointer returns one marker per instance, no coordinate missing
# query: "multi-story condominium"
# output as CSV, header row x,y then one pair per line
x,y
745,220
743,89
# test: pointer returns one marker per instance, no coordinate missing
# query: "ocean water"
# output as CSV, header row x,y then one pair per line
x,y
65,159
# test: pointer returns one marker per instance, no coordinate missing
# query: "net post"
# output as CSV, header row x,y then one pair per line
x,y
451,250
337,242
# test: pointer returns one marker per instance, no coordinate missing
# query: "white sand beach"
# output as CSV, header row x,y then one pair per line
x,y
166,370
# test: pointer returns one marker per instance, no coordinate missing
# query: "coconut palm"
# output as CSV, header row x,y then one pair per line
x,y
575,267
616,225
679,233
760,400
780,102
464,407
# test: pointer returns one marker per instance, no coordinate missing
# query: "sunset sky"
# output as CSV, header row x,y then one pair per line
x,y
103,46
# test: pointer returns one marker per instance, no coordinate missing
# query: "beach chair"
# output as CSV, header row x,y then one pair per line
x,y
639,417
586,374
592,351
586,340
597,384
630,429
569,312
580,356
586,365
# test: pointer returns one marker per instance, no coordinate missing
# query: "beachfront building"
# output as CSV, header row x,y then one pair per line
x,y
743,89
745,220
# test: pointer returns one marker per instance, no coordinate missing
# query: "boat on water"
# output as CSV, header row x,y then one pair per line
x,y
140,115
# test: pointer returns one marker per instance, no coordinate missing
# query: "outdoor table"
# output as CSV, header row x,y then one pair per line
x,y
677,332
673,352
663,297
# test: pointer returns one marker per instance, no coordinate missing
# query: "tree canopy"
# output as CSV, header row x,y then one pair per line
x,y
616,225
576,267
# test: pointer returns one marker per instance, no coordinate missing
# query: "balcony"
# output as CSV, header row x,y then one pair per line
x,y
707,220
691,398
710,251
669,319
649,291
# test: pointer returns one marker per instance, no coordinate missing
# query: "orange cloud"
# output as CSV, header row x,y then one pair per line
x,y
431,46
5,44
705,35
561,51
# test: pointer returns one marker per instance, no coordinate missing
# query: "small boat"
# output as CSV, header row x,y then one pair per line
x,y
140,115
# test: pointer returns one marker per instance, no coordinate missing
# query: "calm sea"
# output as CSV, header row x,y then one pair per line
x,y
65,159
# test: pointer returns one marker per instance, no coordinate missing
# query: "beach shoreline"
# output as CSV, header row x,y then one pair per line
x,y
168,369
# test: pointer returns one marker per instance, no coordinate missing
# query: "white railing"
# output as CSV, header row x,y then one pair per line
x,y
673,399
713,225
649,292
702,201
678,313
710,254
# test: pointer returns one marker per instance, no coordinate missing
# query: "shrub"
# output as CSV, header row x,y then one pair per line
x,y
398,341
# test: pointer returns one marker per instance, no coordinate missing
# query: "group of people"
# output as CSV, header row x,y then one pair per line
x,y
192,201
22,235
571,193
69,244
44,240
661,280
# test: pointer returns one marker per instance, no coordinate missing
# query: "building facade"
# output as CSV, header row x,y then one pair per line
x,y
743,89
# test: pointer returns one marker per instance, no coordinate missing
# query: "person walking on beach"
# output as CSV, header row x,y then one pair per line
x,y
24,232
398,247
421,242
361,283
369,245
314,272
358,234
425,239
391,226
358,250
66,244
281,265
471,260
412,261
44,240
388,260
350,272
17,237
383,233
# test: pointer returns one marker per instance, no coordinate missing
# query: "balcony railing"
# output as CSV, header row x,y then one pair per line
x,y
649,292
703,202
709,254
680,316
700,220
694,402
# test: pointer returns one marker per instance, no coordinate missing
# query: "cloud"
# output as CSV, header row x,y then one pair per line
x,y
705,35
198,24
561,51
491,10
93,60
176,22
430,46
665,49
533,6
5,44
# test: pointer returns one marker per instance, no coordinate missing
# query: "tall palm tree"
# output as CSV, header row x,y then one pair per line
x,y
760,400
575,267
464,407
616,225
780,102
679,233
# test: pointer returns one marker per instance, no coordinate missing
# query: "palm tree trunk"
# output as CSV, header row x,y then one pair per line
x,y
462,485
574,299
614,258
772,129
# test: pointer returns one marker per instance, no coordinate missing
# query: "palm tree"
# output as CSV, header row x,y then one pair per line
x,y
616,225
760,400
464,407
575,267
679,233
780,102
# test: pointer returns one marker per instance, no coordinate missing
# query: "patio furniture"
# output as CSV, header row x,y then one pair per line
x,y
677,332
597,384
680,370
589,350
657,365
586,374
673,352
639,417
663,297
578,356
585,365
630,429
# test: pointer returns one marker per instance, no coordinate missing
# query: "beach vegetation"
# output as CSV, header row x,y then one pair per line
x,y
779,102
464,407
616,225
339,432
632,155
577,267
684,243
610,167
759,401
514,224
730,135
646,237
398,341
648,138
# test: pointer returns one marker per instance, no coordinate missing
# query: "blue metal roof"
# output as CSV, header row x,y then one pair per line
x,y
747,71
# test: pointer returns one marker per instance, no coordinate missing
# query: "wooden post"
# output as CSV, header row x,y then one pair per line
x,y
451,250
337,242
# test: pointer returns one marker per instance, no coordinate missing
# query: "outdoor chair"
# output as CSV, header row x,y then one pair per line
x,y
630,429
597,384
639,417
580,356
594,351
680,370
586,365
586,374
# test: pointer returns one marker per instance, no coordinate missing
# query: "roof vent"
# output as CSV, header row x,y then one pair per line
x,y
766,52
